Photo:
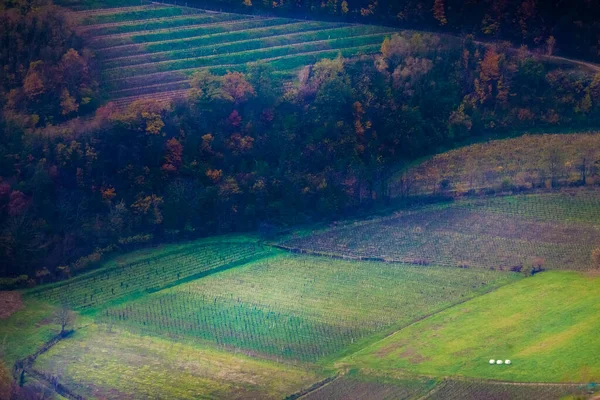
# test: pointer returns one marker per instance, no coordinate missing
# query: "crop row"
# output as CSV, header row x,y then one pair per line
x,y
464,236
103,31
149,274
185,33
137,15
220,38
231,323
485,390
241,57
579,206
372,388
247,45
282,64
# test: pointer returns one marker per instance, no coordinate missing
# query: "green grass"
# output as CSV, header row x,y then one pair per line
x,y
301,308
560,228
547,325
155,271
25,331
97,364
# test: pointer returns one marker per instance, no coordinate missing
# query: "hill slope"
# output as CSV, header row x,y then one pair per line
x,y
146,50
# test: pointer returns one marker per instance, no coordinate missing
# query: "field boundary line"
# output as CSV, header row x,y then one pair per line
x,y
433,390
302,393
224,24
25,365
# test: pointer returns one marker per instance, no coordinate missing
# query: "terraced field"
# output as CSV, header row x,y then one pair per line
x,y
558,230
151,50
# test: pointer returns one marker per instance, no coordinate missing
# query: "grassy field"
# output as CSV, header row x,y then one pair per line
x,y
22,333
523,162
561,229
300,308
546,325
121,365
153,49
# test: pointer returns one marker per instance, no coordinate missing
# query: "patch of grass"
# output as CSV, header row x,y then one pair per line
x,y
546,325
303,308
121,365
561,229
22,333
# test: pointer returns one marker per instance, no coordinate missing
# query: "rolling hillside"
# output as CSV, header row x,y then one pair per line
x,y
150,51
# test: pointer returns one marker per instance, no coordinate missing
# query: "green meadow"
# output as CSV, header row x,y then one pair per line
x,y
547,325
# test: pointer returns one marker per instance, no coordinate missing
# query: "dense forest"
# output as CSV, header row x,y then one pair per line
x,y
247,151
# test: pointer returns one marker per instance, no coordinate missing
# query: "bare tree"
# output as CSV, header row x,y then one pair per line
x,y
64,317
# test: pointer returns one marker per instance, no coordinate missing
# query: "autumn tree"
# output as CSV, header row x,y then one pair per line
x,y
173,156
236,88
439,13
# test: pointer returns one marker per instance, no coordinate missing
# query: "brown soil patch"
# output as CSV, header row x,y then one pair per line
x,y
412,356
384,351
10,303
